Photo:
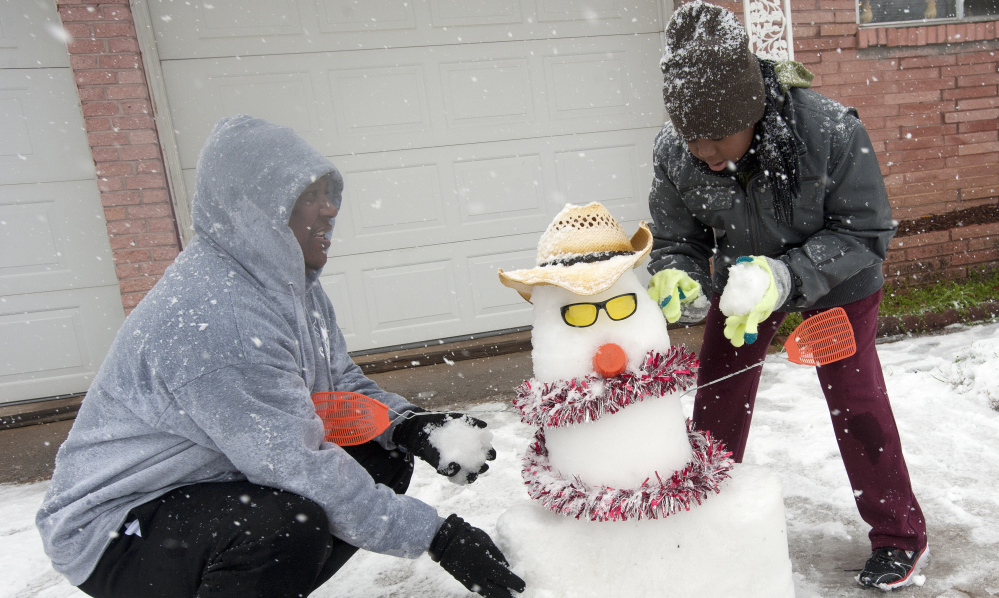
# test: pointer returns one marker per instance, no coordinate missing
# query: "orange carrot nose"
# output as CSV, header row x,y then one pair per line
x,y
610,360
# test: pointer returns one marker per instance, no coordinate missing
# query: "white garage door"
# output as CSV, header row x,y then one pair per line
x,y
60,305
461,127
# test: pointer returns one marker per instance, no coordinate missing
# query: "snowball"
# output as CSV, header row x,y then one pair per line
x,y
624,449
745,288
739,532
460,441
562,352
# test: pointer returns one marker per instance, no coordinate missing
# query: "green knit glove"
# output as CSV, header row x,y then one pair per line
x,y
669,288
745,329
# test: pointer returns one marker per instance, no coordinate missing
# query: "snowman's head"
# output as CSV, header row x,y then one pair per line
x,y
588,302
565,347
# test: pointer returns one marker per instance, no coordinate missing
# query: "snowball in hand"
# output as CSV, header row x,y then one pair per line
x,y
460,441
745,288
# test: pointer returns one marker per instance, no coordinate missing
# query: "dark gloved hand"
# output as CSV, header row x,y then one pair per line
x,y
470,556
413,434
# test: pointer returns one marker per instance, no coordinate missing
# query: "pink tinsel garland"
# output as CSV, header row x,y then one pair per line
x,y
652,500
576,401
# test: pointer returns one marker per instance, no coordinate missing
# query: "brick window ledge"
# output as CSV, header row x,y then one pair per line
x,y
927,34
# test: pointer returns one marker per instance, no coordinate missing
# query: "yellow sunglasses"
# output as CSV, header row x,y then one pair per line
x,y
581,315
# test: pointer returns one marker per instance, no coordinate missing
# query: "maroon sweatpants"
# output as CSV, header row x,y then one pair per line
x,y
858,404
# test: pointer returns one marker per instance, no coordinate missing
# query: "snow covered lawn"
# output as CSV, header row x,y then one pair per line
x,y
941,388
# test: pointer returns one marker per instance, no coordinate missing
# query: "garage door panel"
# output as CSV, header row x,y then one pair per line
x,y
411,293
394,200
588,85
380,101
343,16
287,98
62,338
565,10
231,18
264,27
604,174
456,13
43,137
377,101
61,349
31,36
489,296
499,189
487,93
52,236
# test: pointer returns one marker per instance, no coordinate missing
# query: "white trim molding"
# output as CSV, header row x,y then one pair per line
x,y
769,26
164,121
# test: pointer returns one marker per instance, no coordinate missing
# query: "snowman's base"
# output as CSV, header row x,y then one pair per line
x,y
733,544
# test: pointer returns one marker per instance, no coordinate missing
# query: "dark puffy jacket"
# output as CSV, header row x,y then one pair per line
x,y
842,218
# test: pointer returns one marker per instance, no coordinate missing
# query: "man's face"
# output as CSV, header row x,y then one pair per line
x,y
717,153
310,221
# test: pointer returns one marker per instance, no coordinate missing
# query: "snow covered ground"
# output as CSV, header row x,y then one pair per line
x,y
941,389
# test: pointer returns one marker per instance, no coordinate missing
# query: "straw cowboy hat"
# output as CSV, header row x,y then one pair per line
x,y
584,250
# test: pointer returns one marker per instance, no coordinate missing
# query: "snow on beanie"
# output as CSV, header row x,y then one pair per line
x,y
712,83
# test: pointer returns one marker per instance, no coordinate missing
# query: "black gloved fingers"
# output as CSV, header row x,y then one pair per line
x,y
451,469
478,423
494,590
471,421
505,578
471,557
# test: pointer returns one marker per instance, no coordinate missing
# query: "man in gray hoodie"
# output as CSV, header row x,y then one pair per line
x,y
197,465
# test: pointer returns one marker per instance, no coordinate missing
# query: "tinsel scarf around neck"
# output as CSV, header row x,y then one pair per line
x,y
581,400
774,149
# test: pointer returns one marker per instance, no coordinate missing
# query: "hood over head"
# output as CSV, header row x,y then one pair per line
x,y
250,174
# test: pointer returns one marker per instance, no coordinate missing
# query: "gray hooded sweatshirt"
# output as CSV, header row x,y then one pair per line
x,y
210,378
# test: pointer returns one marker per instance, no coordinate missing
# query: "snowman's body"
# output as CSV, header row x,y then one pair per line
x,y
734,544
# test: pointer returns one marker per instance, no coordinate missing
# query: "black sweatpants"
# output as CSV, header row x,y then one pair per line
x,y
233,539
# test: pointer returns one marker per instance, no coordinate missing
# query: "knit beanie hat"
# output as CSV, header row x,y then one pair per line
x,y
711,80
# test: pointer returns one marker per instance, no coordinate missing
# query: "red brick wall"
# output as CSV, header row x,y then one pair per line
x,y
944,254
929,97
932,110
104,55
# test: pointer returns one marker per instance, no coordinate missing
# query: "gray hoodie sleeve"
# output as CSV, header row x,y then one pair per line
x,y
261,418
858,223
679,240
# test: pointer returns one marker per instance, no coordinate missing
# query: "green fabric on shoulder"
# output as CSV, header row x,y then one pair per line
x,y
792,74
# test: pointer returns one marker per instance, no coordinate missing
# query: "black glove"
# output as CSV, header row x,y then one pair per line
x,y
470,556
413,434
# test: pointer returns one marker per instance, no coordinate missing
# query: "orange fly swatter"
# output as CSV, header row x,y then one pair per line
x,y
350,418
822,339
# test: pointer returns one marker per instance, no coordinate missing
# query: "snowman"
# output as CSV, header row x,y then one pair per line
x,y
628,498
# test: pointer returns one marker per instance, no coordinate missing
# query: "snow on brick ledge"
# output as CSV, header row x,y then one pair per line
x,y
925,35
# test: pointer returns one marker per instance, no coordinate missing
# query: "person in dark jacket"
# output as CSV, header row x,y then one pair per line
x,y
755,170
197,464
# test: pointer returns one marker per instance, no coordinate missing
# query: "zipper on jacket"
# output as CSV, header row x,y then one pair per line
x,y
752,225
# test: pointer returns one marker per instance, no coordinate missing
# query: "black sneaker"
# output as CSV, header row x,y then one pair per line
x,y
890,568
